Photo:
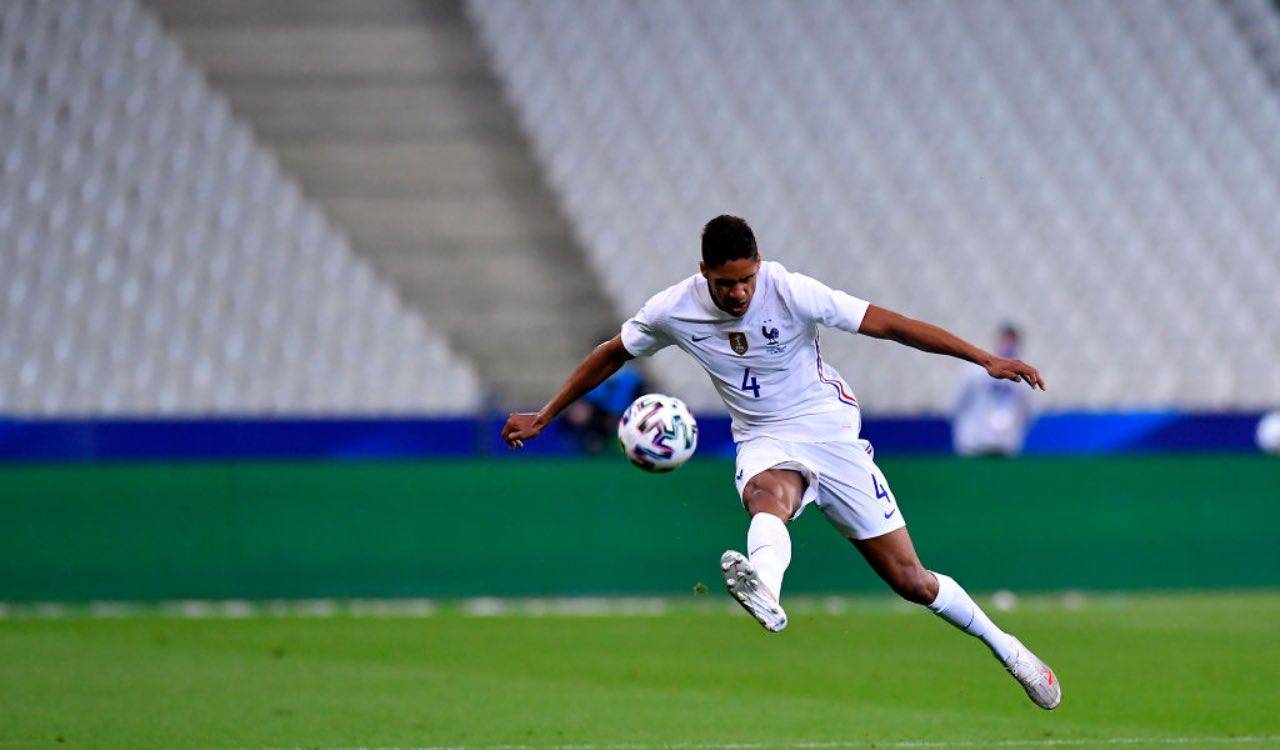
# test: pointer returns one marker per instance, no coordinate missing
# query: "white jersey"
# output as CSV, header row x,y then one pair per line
x,y
766,365
988,415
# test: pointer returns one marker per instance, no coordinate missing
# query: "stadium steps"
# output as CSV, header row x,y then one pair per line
x,y
289,13
388,115
460,167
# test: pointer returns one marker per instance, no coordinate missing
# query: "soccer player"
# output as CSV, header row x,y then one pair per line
x,y
753,326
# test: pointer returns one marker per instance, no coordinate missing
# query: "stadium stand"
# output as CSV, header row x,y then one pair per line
x,y
1105,174
1259,24
389,116
156,260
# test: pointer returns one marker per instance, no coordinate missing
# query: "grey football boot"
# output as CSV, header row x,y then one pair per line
x,y
743,584
1035,676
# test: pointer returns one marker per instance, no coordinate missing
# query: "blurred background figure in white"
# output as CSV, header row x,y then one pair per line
x,y
1268,432
991,417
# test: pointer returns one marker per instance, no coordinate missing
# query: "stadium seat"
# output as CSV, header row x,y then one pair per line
x,y
157,261
1099,172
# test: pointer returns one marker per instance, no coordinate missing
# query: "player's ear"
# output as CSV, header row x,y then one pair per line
x,y
702,269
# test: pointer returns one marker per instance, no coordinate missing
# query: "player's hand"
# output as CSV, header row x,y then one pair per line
x,y
1015,370
521,426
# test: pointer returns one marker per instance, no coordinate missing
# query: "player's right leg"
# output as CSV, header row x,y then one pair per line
x,y
771,498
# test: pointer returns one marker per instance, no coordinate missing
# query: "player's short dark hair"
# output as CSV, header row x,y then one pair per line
x,y
727,238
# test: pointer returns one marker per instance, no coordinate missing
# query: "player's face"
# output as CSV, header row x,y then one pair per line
x,y
733,284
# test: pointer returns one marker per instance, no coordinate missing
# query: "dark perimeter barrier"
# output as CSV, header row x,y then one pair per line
x,y
471,527
1059,433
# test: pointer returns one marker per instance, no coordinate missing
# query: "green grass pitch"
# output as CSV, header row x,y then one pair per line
x,y
1138,671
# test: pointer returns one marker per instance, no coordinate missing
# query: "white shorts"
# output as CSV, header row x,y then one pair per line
x,y
840,477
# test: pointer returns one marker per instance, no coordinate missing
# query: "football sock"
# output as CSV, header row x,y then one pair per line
x,y
954,605
769,549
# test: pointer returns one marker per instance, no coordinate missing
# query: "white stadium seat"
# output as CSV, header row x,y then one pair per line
x,y
1105,174
156,261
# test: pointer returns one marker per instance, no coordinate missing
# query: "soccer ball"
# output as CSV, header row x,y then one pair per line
x,y
1269,432
658,433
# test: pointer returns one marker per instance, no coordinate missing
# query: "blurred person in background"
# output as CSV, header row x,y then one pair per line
x,y
593,419
991,417
1268,433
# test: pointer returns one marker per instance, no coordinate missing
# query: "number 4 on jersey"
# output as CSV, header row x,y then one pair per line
x,y
749,383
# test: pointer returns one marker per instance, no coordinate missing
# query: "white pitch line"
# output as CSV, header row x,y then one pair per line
x,y
585,606
581,606
889,745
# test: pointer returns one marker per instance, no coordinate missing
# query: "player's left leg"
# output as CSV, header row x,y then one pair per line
x,y
893,557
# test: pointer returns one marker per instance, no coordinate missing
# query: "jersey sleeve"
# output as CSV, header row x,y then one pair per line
x,y
826,306
643,334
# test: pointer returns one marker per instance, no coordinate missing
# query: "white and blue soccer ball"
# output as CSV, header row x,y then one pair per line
x,y
658,433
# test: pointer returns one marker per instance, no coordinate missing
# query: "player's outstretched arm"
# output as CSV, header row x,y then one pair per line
x,y
602,362
886,324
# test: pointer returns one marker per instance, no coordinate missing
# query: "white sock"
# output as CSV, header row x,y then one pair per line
x,y
769,549
954,605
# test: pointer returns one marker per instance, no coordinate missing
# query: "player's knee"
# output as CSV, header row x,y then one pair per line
x,y
766,497
913,583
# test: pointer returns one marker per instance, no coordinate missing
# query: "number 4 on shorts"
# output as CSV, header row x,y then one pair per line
x,y
882,492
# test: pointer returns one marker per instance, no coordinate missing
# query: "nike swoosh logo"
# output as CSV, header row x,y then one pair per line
x,y
757,549
890,513
696,339
739,475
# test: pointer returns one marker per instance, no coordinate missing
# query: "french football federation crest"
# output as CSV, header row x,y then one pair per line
x,y
738,342
771,343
